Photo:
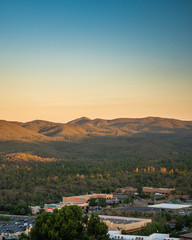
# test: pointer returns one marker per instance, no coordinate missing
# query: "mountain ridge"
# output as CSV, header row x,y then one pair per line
x,y
40,130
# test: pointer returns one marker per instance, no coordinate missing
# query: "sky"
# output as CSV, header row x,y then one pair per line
x,y
64,59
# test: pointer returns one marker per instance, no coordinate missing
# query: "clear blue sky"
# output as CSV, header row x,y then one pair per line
x,y
97,58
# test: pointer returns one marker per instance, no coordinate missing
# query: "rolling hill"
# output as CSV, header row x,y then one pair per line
x,y
39,130
11,131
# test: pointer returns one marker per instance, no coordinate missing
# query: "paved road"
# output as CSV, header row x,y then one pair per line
x,y
16,216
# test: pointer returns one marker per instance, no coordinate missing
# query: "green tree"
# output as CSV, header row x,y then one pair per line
x,y
21,208
97,229
179,223
168,216
127,200
69,223
23,237
92,202
189,220
102,202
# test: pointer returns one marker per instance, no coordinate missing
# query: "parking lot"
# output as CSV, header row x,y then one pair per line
x,y
17,224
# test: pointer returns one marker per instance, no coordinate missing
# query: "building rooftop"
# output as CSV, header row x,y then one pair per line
x,y
157,190
170,206
121,220
187,235
154,236
86,198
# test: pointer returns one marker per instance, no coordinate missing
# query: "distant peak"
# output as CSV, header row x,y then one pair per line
x,y
37,121
80,120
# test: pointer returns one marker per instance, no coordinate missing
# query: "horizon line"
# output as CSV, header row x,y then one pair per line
x,y
92,119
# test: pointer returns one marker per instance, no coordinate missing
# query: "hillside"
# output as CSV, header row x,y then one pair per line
x,y
24,157
11,131
84,127
41,161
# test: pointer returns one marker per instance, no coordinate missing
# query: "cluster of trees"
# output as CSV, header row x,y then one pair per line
x,y
161,225
21,208
128,200
98,202
69,223
160,169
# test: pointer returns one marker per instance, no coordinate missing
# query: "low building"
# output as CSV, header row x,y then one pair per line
x,y
187,236
181,209
170,206
164,191
154,236
51,207
83,200
124,223
127,190
35,209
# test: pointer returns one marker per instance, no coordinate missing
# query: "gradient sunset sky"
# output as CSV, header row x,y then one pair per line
x,y
64,59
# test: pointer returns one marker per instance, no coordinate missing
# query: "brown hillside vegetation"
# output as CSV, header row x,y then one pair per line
x,y
25,157
10,131
84,127
40,126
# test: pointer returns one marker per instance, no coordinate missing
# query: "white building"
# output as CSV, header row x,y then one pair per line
x,y
154,236
170,206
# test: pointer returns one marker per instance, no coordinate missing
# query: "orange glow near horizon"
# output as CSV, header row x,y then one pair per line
x,y
100,59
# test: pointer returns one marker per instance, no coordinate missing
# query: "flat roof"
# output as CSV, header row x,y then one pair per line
x,y
119,221
122,220
170,206
187,235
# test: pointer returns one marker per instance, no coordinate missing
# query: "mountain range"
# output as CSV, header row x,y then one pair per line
x,y
43,131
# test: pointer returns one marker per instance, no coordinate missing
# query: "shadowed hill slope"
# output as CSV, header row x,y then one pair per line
x,y
85,127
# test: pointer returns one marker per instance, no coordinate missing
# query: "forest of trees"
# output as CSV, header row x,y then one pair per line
x,y
36,183
93,165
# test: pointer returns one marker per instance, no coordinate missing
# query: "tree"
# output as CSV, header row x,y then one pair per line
x,y
189,220
179,223
102,202
21,208
69,223
23,236
168,216
92,202
127,200
97,229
